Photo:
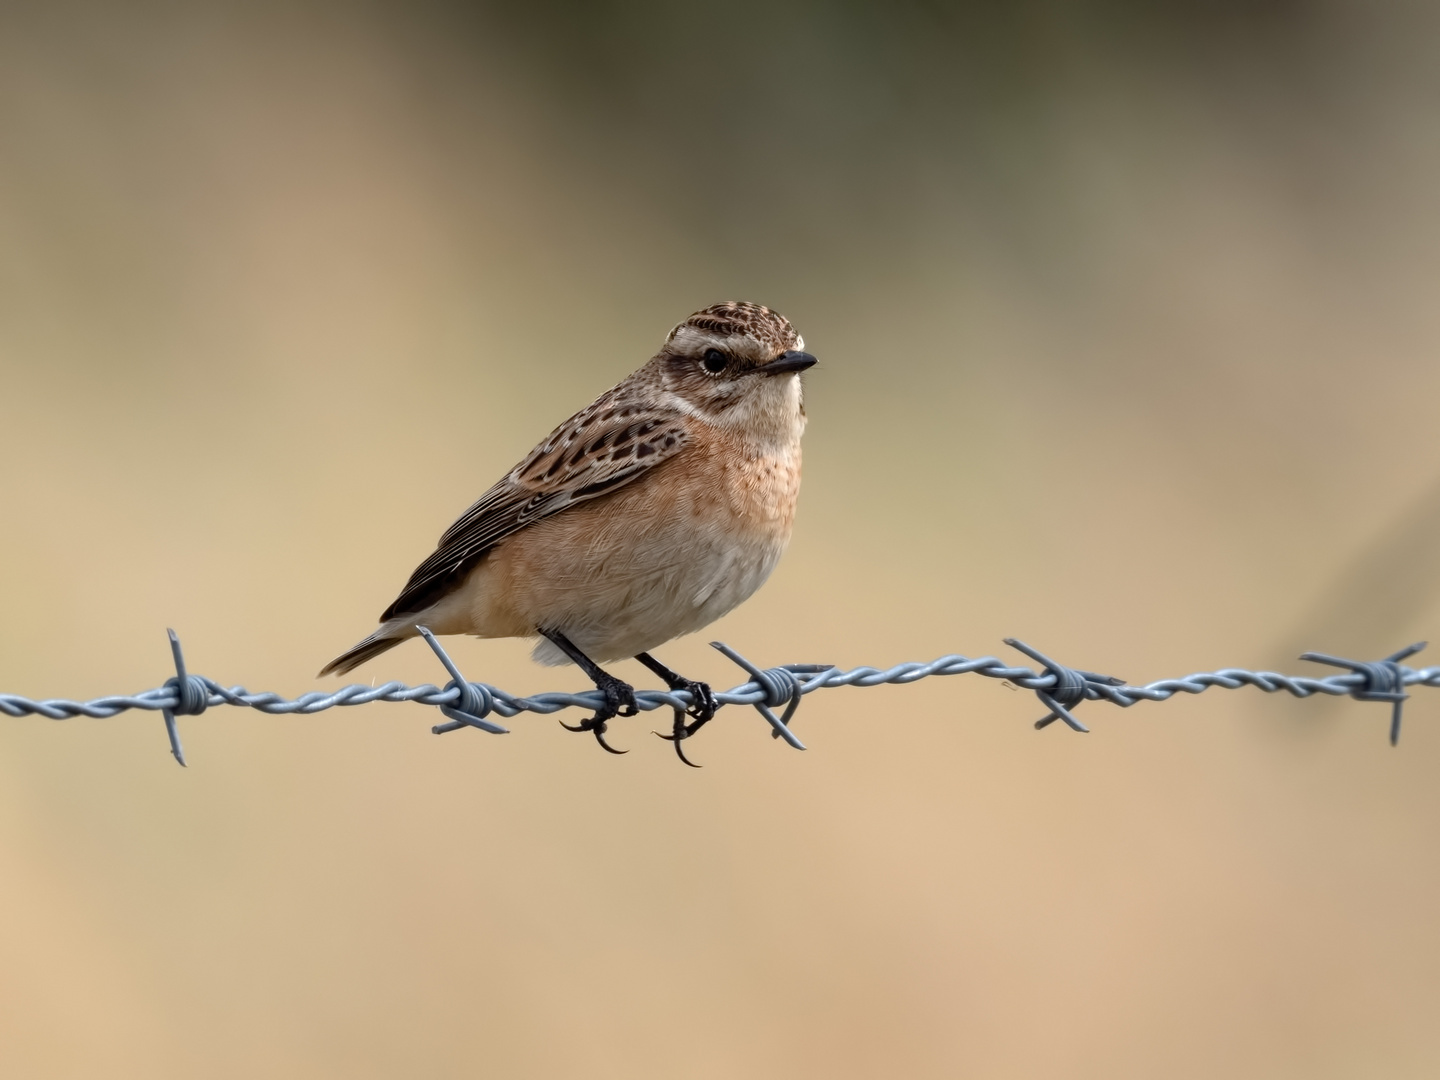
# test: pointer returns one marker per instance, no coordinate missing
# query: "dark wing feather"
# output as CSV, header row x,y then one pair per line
x,y
592,454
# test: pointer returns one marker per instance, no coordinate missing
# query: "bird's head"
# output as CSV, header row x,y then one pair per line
x,y
737,365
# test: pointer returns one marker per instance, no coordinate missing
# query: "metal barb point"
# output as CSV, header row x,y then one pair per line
x,y
1384,680
173,733
474,702
770,682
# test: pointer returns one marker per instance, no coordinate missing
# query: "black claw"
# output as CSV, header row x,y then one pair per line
x,y
597,726
600,738
682,732
680,753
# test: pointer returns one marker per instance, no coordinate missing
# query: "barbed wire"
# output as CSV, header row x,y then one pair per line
x,y
468,704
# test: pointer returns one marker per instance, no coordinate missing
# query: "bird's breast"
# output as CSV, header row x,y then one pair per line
x,y
760,491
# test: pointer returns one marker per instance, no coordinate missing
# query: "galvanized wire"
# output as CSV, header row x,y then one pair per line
x,y
469,704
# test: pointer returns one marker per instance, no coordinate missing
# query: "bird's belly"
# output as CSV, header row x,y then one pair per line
x,y
613,604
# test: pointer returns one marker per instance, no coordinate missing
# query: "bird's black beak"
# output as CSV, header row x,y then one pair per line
x,y
790,360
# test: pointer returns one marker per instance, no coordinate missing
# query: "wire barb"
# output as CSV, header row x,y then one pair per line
x,y
1383,680
474,701
780,685
1067,688
191,698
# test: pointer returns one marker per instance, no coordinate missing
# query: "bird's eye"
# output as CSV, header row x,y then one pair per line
x,y
714,361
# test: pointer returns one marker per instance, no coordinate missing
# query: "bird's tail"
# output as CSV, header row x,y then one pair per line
x,y
387,637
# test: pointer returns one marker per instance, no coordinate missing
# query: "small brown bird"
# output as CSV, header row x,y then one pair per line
x,y
647,515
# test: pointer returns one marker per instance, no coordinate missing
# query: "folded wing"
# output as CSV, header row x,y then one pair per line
x,y
595,452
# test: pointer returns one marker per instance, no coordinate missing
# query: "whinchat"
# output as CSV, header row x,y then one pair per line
x,y
645,516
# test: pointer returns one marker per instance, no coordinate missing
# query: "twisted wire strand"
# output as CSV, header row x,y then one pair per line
x,y
808,678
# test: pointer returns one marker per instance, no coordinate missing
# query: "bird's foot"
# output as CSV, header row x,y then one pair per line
x,y
619,701
703,704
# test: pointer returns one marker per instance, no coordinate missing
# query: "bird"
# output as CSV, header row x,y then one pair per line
x,y
647,515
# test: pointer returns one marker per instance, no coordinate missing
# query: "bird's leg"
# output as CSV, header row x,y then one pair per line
x,y
702,708
619,696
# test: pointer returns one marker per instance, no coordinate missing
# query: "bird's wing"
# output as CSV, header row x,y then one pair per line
x,y
596,451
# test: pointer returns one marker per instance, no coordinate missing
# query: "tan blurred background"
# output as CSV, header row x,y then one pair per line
x,y
1127,325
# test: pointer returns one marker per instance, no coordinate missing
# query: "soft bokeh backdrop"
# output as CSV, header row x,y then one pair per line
x,y
1127,326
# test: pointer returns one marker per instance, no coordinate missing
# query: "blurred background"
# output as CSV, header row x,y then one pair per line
x,y
1127,322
